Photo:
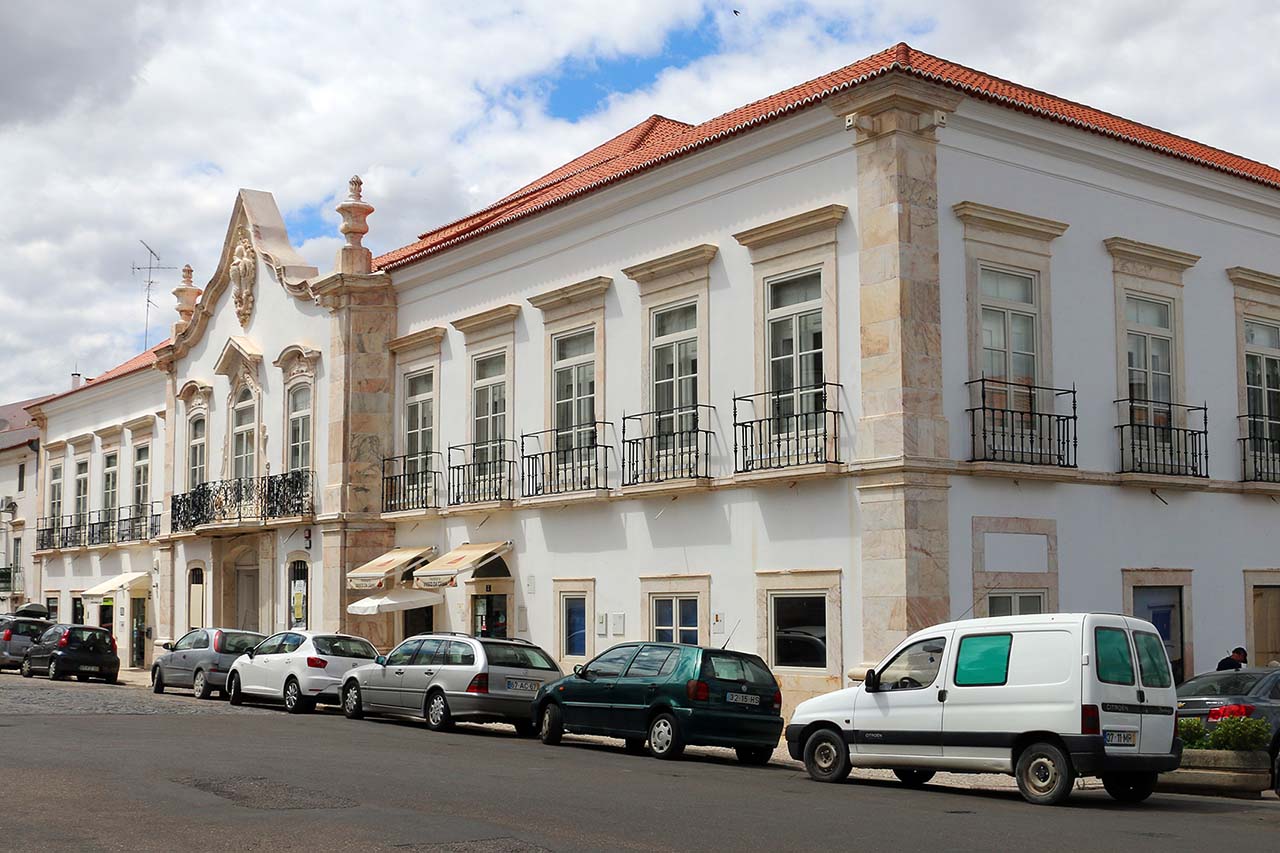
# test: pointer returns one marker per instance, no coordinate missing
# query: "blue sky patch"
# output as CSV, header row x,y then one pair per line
x,y
312,220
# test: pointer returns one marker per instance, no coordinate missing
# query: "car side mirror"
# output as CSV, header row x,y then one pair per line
x,y
251,652
168,647
871,682
380,660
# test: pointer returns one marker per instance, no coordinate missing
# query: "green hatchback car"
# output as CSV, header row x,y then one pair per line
x,y
667,696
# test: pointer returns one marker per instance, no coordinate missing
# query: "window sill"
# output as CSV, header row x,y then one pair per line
x,y
477,508
412,514
564,499
795,472
666,487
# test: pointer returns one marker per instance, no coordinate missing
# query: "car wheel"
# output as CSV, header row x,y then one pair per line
x,y
437,712
200,686
1129,787
665,740
294,701
1044,774
525,728
54,675
756,756
352,703
25,669
826,756
552,729
914,778
157,681
111,679
234,694
634,745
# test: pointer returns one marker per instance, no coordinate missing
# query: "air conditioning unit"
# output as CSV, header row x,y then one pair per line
x,y
7,504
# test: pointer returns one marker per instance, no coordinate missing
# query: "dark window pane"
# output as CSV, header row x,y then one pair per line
x,y
649,662
800,631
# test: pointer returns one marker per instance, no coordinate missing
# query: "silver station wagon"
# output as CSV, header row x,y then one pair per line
x,y
445,678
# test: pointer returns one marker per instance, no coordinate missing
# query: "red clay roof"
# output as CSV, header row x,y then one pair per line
x,y
16,428
658,140
141,361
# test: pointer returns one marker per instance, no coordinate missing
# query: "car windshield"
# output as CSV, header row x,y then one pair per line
x,y
1219,684
345,647
89,637
518,657
727,666
238,642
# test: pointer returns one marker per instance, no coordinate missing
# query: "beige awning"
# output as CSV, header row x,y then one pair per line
x,y
128,580
464,558
393,600
375,573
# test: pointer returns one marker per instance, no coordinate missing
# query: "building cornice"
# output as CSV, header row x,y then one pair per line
x,y
1122,248
809,222
989,218
427,338
589,291
1254,280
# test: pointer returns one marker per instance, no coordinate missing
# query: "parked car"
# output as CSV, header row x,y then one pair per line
x,y
1017,700
668,696
1216,696
16,634
84,651
300,668
201,659
444,678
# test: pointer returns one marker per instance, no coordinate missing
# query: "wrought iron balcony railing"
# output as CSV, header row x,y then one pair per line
x,y
125,524
1158,437
245,499
671,444
412,482
1260,449
572,459
482,472
1022,424
787,427
10,579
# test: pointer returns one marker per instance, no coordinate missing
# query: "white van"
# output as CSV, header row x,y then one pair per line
x,y
1045,698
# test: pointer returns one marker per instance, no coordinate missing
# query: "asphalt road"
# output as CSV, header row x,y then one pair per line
x,y
89,767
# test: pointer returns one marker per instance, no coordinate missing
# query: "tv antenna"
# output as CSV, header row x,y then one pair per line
x,y
153,264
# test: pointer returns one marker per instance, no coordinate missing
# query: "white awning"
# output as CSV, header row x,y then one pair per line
x,y
393,600
464,558
128,580
374,574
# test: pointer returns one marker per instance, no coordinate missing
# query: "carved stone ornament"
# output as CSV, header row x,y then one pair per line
x,y
244,275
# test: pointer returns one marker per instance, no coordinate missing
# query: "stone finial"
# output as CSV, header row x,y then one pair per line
x,y
187,294
354,257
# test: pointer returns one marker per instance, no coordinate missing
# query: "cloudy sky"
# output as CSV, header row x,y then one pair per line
x,y
128,121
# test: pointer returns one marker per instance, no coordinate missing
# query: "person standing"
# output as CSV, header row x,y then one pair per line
x,y
1238,658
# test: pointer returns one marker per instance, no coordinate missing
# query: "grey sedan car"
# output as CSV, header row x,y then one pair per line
x,y
452,677
16,634
201,659
1240,693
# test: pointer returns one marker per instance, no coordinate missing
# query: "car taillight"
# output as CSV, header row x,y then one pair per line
x,y
1090,722
64,640
777,700
317,663
8,635
114,648
217,641
479,684
1227,711
698,691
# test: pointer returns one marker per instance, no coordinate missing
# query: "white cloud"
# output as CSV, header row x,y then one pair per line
x,y
141,121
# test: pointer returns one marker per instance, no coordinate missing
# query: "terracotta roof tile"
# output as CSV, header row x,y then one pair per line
x,y
658,140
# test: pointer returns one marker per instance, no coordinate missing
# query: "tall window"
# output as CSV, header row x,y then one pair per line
x,y
675,372
244,436
17,553
82,491
110,482
1009,333
142,476
574,622
489,408
1149,329
197,429
1262,379
195,597
55,490
298,594
575,390
795,348
300,428
22,477
675,619
419,426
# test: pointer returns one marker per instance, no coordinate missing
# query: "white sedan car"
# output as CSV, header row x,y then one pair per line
x,y
299,667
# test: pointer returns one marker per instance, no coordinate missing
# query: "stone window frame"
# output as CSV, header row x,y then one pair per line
x,y
1255,578
985,582
195,397
486,334
1157,576
574,587
297,365
826,582
1257,297
566,311
417,353
686,586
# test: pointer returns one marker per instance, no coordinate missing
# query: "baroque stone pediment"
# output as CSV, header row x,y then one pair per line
x,y
240,359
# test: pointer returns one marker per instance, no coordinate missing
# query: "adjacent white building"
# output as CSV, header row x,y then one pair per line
x,y
19,473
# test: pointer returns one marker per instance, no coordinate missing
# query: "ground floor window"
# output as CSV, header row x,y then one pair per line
x,y
77,610
573,643
675,619
1015,603
51,604
419,620
298,572
1162,607
195,597
489,615
799,629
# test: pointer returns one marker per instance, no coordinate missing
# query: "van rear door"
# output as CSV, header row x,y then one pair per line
x,y
1115,684
1158,695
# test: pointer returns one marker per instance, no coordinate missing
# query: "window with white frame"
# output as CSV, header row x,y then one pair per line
x,y
1010,336
244,436
675,619
1262,381
82,491
795,350
142,477
55,490
674,362
1150,344
300,428
197,451
1015,603
798,629
489,412
110,481
574,392
419,421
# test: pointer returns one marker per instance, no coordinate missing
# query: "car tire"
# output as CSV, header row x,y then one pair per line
x,y
111,679
1275,772
665,740
913,778
551,732
200,685
755,756
157,680
525,728
633,745
234,694
294,701
1044,774
436,712
352,701
25,669
826,756
1129,787
52,672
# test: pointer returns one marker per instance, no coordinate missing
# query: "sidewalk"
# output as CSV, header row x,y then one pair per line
x,y
135,677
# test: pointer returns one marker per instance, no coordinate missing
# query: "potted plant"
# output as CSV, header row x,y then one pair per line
x,y
1229,760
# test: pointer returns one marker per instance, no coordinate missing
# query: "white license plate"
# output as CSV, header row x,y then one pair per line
x,y
88,669
1111,738
522,685
743,698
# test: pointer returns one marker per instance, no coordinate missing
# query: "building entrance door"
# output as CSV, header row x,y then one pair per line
x,y
489,615
247,599
1162,607
420,620
137,633
1266,625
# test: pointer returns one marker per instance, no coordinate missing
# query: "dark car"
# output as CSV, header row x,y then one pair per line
x,y
1216,696
201,659
16,634
669,697
84,651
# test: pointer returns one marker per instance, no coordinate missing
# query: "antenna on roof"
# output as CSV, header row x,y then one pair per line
x,y
153,264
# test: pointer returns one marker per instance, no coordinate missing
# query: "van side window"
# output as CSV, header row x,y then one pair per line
x,y
983,661
1114,661
1153,662
915,667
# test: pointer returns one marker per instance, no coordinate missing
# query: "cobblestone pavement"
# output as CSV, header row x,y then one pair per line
x,y
41,696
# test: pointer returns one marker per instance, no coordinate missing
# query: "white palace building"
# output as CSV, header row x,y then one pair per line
x,y
903,343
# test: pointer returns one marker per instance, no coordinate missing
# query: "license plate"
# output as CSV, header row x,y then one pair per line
x,y
743,698
88,669
1111,738
522,685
